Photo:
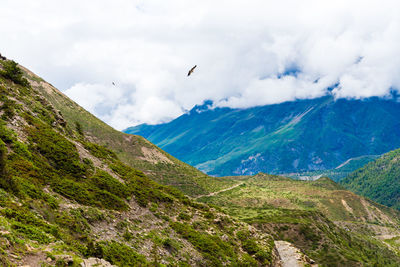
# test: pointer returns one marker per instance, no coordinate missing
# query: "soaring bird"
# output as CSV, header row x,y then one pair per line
x,y
113,83
191,70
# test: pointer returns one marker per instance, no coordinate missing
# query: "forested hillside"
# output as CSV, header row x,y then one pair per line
x,y
378,180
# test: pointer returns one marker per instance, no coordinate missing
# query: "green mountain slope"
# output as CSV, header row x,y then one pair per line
x,y
291,137
378,180
133,150
303,213
66,200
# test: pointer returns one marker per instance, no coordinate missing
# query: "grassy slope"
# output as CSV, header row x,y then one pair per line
x,y
132,149
378,180
302,212
61,194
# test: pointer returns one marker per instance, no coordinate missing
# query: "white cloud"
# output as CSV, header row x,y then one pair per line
x,y
243,50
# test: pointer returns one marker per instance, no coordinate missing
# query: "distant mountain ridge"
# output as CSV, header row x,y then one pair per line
x,y
296,136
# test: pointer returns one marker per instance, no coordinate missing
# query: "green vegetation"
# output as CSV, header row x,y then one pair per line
x,y
13,72
100,151
61,153
8,108
378,180
120,254
3,155
250,245
212,247
302,212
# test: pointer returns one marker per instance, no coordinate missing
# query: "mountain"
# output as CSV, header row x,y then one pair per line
x,y
378,180
70,194
74,191
291,137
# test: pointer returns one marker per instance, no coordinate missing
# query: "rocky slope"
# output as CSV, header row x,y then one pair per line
x,y
299,136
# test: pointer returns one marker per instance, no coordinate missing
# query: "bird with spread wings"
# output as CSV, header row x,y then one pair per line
x,y
191,70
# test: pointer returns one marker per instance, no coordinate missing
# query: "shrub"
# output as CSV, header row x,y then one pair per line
x,y
78,127
309,233
170,244
109,201
184,216
8,108
24,216
31,232
89,166
141,186
6,134
25,222
73,190
100,152
74,222
127,236
120,254
13,72
94,215
21,149
61,153
87,194
3,155
250,246
105,181
212,248
247,261
7,182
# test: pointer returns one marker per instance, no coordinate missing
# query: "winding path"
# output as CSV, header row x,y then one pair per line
x,y
220,191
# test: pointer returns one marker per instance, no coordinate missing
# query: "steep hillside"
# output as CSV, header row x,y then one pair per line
x,y
304,135
134,151
378,180
65,200
303,213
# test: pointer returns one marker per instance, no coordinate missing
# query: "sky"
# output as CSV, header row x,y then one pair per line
x,y
248,53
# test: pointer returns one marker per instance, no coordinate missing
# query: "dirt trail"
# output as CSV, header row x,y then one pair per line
x,y
292,256
220,191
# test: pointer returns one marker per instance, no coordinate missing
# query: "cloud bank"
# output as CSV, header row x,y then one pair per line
x,y
248,53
